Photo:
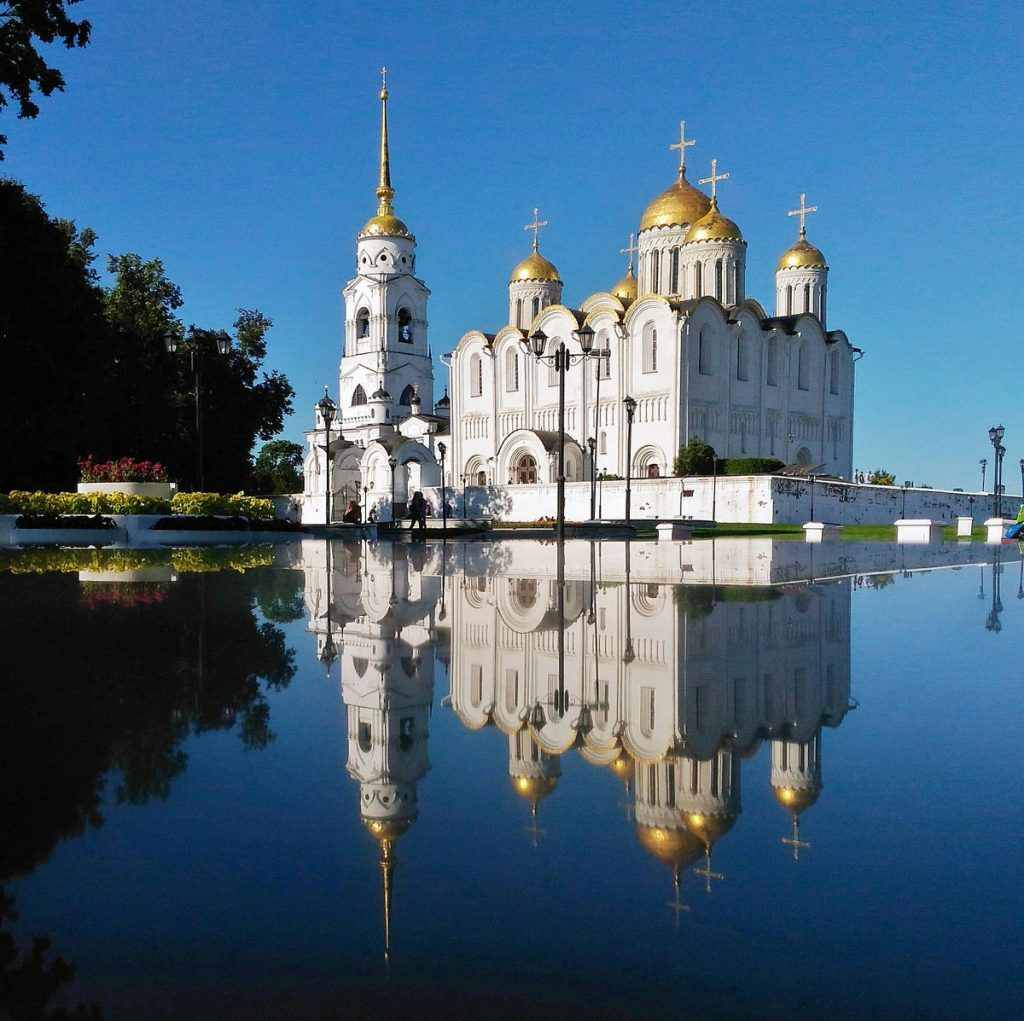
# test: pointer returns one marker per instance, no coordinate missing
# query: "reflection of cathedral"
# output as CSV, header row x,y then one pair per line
x,y
671,687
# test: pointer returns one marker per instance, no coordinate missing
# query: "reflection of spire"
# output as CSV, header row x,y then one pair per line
x,y
676,904
387,869
533,829
794,841
706,872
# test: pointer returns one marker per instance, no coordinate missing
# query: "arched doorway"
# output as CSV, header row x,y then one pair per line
x,y
525,471
653,471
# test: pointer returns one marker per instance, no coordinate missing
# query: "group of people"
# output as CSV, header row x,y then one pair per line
x,y
416,512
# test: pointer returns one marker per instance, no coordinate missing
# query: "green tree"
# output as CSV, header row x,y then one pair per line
x,y
696,458
278,468
23,70
880,477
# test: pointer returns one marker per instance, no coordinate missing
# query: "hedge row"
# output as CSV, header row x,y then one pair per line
x,y
184,561
748,465
252,507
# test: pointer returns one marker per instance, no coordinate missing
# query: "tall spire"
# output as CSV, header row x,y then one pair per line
x,y
385,193
387,869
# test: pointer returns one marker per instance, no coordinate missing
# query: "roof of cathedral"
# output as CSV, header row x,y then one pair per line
x,y
680,203
626,289
385,225
802,255
796,799
713,226
535,267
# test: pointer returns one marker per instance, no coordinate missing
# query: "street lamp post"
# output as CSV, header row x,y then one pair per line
x,y
592,447
984,464
366,497
327,410
630,406
442,450
392,464
194,348
561,360
995,435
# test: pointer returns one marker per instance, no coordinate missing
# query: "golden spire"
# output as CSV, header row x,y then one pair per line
x,y
385,193
387,869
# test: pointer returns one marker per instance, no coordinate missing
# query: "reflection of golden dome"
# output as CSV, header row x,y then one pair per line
x,y
803,255
677,848
678,204
623,767
625,289
385,225
709,828
713,226
533,788
535,267
386,829
796,799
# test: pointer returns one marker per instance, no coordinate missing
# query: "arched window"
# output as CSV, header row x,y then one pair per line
x,y
718,279
733,295
742,358
525,471
833,373
653,471
407,395
476,376
704,353
604,360
481,478
511,370
802,368
698,279
364,737
602,443
682,279
362,324
650,352
789,299
553,345
821,305
358,397
519,312
536,307
405,326
674,271
807,297
772,358
655,272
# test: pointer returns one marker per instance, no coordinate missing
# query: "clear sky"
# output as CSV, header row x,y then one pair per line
x,y
235,139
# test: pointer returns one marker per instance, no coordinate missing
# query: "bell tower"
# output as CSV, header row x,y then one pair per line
x,y
385,350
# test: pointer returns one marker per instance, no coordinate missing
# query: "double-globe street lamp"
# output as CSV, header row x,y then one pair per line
x,y
560,360
630,406
193,344
995,435
442,450
328,410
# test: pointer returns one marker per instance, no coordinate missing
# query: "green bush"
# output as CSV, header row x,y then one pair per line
x,y
748,466
21,502
696,458
253,507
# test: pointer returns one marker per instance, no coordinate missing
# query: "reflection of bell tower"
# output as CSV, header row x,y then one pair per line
x,y
533,772
796,781
710,801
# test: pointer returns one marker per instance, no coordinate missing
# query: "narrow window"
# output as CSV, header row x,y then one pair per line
x,y
476,686
674,271
358,397
789,299
703,354
511,690
772,373
476,376
604,358
655,272
519,312
734,283
406,733
698,279
742,358
802,369
833,373
553,346
405,326
536,307
650,356
511,370
670,782
602,444
718,279
362,323
807,297
364,737
647,711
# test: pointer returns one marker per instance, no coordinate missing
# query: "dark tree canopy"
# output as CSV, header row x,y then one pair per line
x,y
23,69
278,468
696,458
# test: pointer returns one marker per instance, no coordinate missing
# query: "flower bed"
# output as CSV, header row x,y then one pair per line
x,y
237,504
124,469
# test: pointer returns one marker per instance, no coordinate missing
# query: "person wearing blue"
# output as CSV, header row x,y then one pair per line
x,y
1016,530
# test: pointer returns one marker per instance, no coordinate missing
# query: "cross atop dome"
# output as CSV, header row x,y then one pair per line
x,y
714,179
536,226
802,212
629,251
682,145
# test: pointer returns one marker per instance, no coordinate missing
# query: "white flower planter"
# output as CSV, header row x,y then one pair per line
x,y
158,490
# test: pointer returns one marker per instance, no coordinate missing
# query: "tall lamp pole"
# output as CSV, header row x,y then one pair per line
x,y
442,450
984,464
193,345
995,435
592,447
630,406
562,359
327,411
1022,476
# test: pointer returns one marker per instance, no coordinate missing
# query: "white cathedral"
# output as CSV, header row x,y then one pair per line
x,y
678,335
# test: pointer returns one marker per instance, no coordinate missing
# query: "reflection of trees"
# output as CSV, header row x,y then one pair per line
x,y
95,688
279,595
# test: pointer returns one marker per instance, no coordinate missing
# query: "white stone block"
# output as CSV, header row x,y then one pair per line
x,y
918,530
668,530
996,528
822,531
964,526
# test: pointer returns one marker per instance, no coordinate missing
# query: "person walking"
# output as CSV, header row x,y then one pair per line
x,y
418,512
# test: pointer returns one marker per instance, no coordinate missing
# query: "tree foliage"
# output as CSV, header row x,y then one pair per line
x,y
23,69
880,477
696,458
278,468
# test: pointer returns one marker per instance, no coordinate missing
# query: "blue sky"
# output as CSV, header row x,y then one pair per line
x,y
236,141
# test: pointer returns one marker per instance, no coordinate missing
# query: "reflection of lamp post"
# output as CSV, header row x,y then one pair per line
x,y
329,652
561,360
193,346
630,406
392,464
628,655
592,447
993,623
366,500
995,435
442,450
327,411
984,464
600,500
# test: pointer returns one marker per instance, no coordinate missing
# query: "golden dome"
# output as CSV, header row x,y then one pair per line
x,y
674,847
678,204
623,767
385,225
709,828
535,267
713,226
803,255
386,829
625,290
796,799
533,788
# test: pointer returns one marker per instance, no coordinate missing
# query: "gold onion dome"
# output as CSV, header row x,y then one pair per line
x,y
678,204
626,290
623,767
803,255
533,788
713,226
386,829
796,799
385,225
535,267
678,848
709,828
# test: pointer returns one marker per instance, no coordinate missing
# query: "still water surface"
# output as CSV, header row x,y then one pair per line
x,y
739,778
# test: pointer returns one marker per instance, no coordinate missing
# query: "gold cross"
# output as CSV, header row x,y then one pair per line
x,y
629,251
535,227
676,904
794,841
383,77
682,145
706,871
714,179
802,213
